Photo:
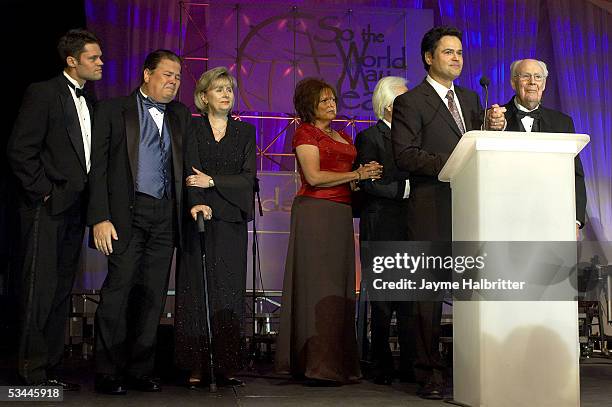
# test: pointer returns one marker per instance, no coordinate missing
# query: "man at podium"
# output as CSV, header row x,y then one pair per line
x,y
525,113
427,123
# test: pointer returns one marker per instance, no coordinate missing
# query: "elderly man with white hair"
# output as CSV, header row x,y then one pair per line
x,y
524,112
383,218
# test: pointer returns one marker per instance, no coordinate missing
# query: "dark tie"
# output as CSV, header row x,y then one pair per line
x,y
149,103
77,91
534,114
452,107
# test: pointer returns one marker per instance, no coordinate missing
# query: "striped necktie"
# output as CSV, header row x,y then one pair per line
x,y
454,111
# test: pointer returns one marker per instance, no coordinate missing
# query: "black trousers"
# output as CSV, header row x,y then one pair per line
x,y
428,366
382,358
418,322
418,337
134,292
51,247
384,220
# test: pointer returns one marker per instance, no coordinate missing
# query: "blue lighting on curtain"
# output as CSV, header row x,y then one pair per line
x,y
110,71
581,36
112,12
135,16
90,11
448,10
476,38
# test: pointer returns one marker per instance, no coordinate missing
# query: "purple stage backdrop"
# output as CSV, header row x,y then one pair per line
x,y
270,47
350,44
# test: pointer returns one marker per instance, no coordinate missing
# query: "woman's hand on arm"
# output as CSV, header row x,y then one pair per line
x,y
198,179
308,157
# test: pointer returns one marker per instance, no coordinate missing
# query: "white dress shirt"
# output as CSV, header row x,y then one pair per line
x,y
527,121
84,119
158,117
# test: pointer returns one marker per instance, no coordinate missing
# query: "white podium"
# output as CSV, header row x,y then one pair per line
x,y
511,186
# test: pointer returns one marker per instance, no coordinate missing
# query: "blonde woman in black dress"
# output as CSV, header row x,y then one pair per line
x,y
221,167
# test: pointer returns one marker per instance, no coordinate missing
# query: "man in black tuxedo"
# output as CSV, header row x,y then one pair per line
x,y
49,151
136,190
524,112
428,122
383,218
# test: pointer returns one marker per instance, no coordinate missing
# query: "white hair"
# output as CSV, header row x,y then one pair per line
x,y
516,63
385,93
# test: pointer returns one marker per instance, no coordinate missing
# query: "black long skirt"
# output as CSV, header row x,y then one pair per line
x,y
226,251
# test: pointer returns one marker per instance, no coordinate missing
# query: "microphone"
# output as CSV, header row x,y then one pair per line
x,y
485,82
200,220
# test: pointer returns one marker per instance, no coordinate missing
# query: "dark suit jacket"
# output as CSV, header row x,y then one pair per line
x,y
114,162
423,135
553,121
46,149
383,207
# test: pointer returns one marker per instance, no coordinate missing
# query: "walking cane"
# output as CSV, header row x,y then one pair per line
x,y
201,231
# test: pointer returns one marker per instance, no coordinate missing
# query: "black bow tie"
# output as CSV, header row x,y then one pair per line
x,y
77,91
149,103
534,114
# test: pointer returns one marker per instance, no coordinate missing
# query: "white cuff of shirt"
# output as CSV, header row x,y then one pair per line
x,y
407,189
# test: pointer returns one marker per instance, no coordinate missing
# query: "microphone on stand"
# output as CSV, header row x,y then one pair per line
x,y
485,82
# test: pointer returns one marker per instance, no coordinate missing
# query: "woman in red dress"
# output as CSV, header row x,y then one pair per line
x,y
317,338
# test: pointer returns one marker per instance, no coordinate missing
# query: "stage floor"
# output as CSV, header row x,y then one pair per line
x,y
273,390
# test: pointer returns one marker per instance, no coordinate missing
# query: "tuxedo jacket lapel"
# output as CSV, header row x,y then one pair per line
x,y
513,123
71,120
383,137
132,132
90,105
546,122
384,129
177,144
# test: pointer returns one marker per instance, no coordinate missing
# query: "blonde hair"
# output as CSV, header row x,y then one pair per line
x,y
205,82
385,93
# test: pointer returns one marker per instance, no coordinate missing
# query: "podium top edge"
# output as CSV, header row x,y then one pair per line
x,y
525,135
532,141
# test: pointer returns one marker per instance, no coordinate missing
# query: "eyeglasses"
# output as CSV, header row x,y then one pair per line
x,y
526,77
327,100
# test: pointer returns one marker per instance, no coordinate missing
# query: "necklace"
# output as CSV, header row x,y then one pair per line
x,y
218,132
329,130
220,129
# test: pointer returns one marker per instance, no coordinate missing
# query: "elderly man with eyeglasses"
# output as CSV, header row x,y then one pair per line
x,y
524,112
